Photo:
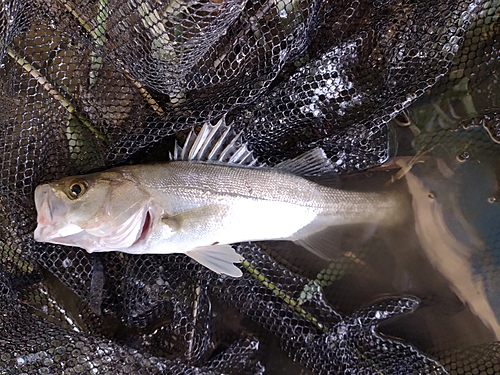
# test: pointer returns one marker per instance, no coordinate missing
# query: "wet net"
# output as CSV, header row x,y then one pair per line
x,y
87,85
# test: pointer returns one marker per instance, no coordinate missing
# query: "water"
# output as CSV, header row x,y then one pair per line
x,y
449,249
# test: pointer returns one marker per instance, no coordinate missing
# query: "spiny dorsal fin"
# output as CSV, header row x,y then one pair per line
x,y
215,143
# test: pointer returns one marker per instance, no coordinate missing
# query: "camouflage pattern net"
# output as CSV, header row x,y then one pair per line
x,y
87,85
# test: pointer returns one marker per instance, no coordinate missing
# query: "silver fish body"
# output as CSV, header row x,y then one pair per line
x,y
197,208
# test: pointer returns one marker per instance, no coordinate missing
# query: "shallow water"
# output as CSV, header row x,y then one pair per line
x,y
444,253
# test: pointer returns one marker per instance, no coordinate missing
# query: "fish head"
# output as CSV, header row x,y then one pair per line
x,y
105,211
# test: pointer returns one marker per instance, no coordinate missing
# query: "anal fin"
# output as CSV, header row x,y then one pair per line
x,y
218,258
324,244
328,242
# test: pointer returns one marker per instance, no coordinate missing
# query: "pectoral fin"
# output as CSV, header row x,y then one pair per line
x,y
196,226
218,258
196,220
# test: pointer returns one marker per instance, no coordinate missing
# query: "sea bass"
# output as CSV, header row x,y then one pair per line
x,y
211,194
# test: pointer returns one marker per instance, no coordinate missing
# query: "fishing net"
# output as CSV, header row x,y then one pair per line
x,y
87,85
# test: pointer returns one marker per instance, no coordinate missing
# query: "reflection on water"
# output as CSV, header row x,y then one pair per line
x,y
442,198
447,250
457,224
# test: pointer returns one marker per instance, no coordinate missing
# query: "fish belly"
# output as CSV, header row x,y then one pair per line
x,y
254,220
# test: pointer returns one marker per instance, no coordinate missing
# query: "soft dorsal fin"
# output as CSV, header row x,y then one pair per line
x,y
311,163
215,143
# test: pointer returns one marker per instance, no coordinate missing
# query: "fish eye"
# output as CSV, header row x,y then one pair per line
x,y
76,190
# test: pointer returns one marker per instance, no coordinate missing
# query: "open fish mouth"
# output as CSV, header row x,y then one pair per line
x,y
145,228
47,207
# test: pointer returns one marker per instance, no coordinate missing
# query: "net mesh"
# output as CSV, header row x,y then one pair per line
x,y
87,85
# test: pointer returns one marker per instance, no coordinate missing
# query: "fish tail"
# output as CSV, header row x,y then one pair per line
x,y
323,235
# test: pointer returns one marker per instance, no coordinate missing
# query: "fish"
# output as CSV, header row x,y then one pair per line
x,y
212,193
